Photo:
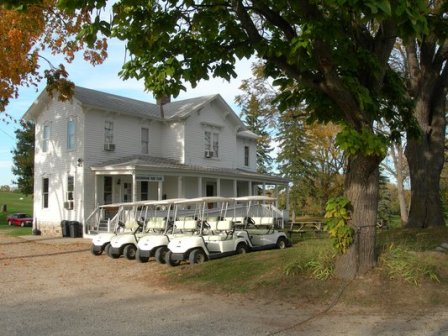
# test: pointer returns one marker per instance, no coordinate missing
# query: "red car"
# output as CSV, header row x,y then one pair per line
x,y
19,219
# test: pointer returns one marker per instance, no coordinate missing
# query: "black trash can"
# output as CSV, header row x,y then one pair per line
x,y
65,228
75,229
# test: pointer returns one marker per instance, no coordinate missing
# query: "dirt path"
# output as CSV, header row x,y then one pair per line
x,y
56,287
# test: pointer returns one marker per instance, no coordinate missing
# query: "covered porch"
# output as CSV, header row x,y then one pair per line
x,y
147,178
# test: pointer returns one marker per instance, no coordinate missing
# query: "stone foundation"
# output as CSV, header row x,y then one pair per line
x,y
49,229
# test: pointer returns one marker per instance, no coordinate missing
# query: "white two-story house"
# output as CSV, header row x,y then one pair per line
x,y
101,148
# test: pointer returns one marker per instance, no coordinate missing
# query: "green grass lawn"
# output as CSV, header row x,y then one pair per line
x,y
407,261
15,202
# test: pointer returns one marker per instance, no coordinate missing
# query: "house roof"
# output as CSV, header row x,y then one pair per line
x,y
145,162
110,102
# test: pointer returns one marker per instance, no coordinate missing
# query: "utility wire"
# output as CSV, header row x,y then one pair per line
x,y
312,317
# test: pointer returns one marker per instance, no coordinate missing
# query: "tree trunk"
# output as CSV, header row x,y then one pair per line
x,y
361,188
397,157
425,157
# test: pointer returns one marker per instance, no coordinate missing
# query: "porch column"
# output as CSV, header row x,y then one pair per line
x,y
179,187
276,195
235,188
250,188
264,189
134,188
159,190
218,187
95,182
200,186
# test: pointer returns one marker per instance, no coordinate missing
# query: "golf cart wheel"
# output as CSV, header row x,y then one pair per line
x,y
95,251
129,251
197,256
140,258
281,243
114,255
170,261
241,248
160,254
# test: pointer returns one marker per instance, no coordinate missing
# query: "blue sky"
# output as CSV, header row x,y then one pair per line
x,y
105,78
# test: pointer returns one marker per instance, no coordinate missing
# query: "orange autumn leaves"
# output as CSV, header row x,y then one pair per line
x,y
26,34
19,32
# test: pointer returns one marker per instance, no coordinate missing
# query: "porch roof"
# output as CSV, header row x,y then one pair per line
x,y
164,165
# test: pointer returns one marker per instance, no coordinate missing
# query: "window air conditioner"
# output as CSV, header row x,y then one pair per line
x,y
109,147
208,154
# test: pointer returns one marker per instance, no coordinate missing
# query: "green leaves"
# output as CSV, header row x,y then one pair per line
x,y
336,217
366,142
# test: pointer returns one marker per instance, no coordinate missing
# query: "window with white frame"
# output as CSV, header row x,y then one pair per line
x,y
108,132
71,134
145,140
45,191
45,138
246,156
70,188
211,141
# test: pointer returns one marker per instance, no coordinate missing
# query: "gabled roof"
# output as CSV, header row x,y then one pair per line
x,y
110,102
145,162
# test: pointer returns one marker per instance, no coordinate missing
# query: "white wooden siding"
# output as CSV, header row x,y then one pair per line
x,y
58,163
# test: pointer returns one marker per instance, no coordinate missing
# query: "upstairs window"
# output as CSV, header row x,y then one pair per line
x,y
211,140
45,138
71,127
108,132
246,156
145,140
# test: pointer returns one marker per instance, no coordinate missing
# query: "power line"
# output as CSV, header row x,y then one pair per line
x,y
7,134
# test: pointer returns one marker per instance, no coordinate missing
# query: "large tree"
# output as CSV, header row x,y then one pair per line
x,y
23,159
332,55
427,74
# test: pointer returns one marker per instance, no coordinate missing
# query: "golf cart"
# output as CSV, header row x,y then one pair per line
x,y
212,233
260,223
156,220
155,243
107,218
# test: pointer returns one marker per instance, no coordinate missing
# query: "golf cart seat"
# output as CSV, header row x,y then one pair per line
x,y
221,230
263,225
155,224
131,224
187,225
237,221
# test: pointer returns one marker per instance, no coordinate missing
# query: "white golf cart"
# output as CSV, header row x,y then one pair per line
x,y
211,235
159,228
108,218
152,219
260,223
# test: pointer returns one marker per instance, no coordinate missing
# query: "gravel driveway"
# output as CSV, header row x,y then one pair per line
x,y
56,287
